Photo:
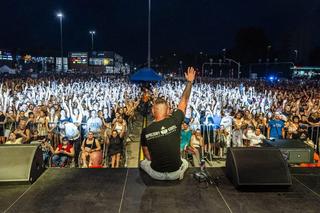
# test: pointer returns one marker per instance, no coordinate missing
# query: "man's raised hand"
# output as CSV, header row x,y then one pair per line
x,y
190,74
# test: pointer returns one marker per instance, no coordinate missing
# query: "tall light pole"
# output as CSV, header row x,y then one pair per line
x,y
224,53
60,16
149,35
92,33
268,52
296,56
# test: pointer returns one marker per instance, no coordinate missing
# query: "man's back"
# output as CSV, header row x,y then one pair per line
x,y
163,141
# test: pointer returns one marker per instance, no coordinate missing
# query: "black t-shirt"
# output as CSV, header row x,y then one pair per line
x,y
163,141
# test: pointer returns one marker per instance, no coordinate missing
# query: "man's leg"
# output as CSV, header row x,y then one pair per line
x,y
180,173
145,165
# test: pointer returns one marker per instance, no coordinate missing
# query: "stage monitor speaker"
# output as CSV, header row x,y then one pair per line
x,y
293,151
20,163
257,167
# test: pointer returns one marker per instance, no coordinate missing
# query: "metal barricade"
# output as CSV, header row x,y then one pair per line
x,y
314,135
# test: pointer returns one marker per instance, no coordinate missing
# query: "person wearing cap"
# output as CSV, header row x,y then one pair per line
x,y
276,127
161,139
64,151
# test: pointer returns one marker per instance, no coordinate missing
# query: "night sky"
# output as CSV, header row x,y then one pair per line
x,y
177,25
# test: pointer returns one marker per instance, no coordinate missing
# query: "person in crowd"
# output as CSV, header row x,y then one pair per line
x,y
42,124
3,119
22,131
94,123
12,139
53,120
293,128
197,147
120,125
32,123
161,139
314,119
9,124
186,134
221,141
276,127
115,148
63,153
89,145
47,151
226,122
256,138
237,132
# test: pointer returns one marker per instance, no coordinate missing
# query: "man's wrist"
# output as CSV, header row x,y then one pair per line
x,y
189,81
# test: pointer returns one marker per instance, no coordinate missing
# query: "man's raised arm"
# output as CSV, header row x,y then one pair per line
x,y
190,76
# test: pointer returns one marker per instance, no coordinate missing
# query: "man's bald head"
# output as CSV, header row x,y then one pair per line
x,y
160,109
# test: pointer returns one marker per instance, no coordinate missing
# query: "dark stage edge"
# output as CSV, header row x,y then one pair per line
x,y
130,190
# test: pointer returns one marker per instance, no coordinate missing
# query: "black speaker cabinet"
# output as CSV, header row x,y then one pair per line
x,y
257,167
20,163
293,151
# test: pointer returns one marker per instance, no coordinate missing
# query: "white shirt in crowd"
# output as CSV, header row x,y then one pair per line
x,y
255,139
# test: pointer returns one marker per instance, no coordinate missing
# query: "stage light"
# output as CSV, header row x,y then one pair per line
x,y
272,78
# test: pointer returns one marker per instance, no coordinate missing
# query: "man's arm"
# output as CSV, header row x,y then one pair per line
x,y
146,153
268,132
190,76
144,146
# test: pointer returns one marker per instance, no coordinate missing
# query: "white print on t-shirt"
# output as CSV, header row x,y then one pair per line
x,y
163,132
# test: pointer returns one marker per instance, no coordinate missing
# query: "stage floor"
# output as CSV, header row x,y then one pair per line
x,y
131,190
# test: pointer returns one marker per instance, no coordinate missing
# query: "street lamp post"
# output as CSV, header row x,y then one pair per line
x,y
224,53
149,34
181,68
268,52
60,16
296,56
92,33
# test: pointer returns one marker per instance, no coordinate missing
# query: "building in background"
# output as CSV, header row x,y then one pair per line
x,y
59,65
78,61
29,63
107,62
306,72
6,58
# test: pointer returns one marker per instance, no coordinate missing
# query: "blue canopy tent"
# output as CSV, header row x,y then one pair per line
x,y
145,75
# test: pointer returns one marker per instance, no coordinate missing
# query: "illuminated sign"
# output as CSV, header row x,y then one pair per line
x,y
6,55
101,59
305,72
78,58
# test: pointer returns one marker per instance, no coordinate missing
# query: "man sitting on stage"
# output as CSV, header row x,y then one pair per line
x,y
161,139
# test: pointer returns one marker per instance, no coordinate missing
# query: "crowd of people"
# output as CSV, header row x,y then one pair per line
x,y
224,113
70,115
